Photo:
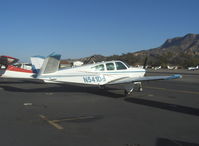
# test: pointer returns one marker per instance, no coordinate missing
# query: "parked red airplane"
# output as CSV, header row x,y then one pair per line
x,y
9,68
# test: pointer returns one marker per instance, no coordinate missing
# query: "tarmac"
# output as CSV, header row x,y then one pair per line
x,y
166,113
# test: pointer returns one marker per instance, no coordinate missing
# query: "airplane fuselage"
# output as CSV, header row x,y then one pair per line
x,y
95,74
16,72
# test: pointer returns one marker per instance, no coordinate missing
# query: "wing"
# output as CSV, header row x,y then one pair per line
x,y
7,60
146,78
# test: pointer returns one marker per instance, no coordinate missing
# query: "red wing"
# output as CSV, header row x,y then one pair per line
x,y
7,60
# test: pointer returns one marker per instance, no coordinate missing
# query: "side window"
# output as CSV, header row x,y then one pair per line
x,y
99,67
110,66
120,66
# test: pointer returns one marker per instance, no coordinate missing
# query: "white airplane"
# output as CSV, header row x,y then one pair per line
x,y
172,67
193,68
9,68
158,67
102,74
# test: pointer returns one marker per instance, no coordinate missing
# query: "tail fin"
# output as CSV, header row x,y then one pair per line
x,y
37,62
50,64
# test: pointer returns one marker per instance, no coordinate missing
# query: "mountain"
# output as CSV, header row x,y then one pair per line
x,y
189,44
181,51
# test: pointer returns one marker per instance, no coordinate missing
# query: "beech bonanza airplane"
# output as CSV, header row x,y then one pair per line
x,y
102,74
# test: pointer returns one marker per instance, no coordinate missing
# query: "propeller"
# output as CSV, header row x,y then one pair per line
x,y
145,62
89,59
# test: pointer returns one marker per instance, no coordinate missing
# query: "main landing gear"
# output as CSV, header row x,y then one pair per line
x,y
136,86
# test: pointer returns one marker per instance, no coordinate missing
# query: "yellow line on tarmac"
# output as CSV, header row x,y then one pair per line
x,y
51,122
173,90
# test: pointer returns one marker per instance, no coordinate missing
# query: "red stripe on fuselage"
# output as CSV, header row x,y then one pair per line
x,y
13,68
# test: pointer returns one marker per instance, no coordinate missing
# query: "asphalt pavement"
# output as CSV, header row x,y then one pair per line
x,y
166,113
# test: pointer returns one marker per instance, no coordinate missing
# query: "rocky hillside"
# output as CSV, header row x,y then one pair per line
x,y
189,44
181,51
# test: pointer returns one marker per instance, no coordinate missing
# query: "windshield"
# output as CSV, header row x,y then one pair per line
x,y
128,66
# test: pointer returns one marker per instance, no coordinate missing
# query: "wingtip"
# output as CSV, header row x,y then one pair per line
x,y
177,76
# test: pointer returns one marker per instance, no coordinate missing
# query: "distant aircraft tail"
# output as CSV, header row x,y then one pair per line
x,y
37,62
50,64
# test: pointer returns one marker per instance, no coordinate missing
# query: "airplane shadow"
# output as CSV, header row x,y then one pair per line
x,y
42,88
19,81
169,142
165,106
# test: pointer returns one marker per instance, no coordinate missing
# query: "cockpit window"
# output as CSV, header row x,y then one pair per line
x,y
110,66
99,67
120,66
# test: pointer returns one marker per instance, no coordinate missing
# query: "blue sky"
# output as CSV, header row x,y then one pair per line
x,y
80,28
